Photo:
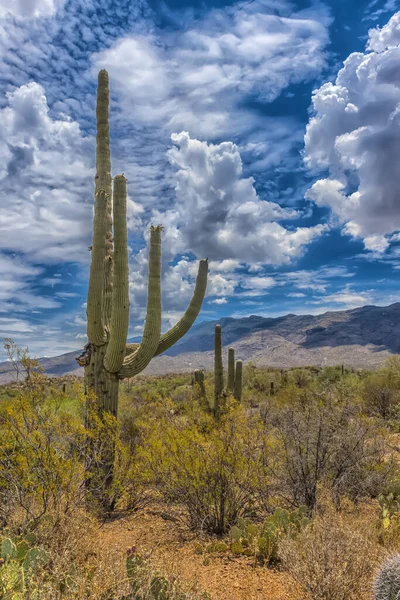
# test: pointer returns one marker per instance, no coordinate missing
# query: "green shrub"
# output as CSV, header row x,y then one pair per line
x,y
330,560
208,468
322,438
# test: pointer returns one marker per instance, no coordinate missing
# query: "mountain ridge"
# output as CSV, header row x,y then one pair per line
x,y
358,337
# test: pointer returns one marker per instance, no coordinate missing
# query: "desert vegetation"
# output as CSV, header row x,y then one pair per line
x,y
299,483
286,477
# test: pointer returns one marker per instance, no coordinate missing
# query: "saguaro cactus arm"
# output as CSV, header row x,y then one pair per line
x,y
95,321
103,182
169,338
130,348
103,156
137,361
119,323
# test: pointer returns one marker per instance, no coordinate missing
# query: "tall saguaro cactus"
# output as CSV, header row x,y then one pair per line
x,y
107,357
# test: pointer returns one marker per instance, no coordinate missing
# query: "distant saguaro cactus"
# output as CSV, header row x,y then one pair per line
x,y
231,370
199,380
387,581
234,384
107,357
238,380
218,369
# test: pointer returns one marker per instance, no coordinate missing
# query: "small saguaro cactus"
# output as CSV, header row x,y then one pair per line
x,y
199,380
234,384
238,380
231,370
387,581
107,357
218,369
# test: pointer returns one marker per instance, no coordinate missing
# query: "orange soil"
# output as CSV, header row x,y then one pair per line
x,y
172,547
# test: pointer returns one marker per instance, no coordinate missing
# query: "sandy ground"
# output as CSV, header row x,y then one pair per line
x,y
171,546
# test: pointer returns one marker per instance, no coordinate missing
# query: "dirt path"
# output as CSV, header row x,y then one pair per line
x,y
172,547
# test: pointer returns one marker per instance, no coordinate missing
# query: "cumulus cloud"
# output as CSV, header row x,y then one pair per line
x,y
46,206
355,134
196,79
29,8
219,214
218,301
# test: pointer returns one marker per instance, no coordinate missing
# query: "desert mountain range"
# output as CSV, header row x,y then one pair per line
x,y
361,338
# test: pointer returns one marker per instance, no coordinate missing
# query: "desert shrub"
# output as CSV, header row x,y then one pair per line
x,y
41,451
207,468
300,377
145,583
259,380
323,439
130,484
382,390
59,562
330,560
330,374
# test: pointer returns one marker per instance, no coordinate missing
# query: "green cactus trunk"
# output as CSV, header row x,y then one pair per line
x,y
238,380
218,370
108,357
231,370
199,381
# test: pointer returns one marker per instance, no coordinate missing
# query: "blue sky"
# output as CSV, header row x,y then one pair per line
x,y
263,134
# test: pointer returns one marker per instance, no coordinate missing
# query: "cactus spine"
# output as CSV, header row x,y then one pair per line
x,y
218,369
238,380
387,581
107,357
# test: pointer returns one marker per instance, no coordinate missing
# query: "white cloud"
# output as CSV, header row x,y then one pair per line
x,y
346,298
29,8
17,286
46,204
257,286
219,214
195,80
317,280
355,134
218,301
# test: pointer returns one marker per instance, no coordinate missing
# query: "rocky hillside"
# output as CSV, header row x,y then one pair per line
x,y
362,337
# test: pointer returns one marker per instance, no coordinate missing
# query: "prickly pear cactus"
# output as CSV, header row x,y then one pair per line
x,y
262,541
19,564
387,581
